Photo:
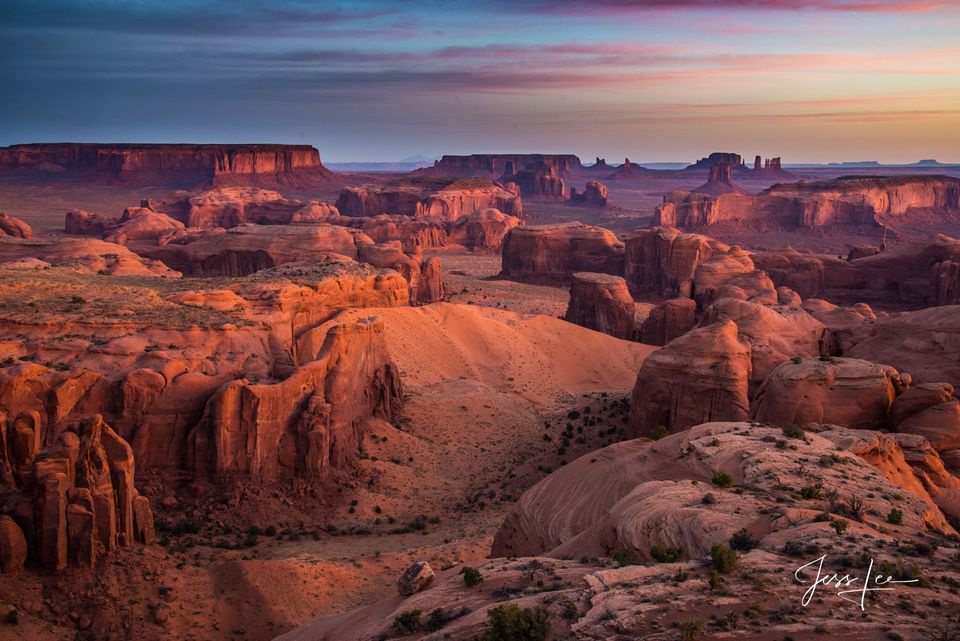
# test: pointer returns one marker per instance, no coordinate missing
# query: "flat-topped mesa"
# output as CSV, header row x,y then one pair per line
x,y
732,159
73,501
551,253
594,193
539,181
133,163
845,201
494,166
445,197
601,302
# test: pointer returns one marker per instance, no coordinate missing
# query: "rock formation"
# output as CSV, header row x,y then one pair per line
x,y
74,501
86,256
699,377
601,302
10,226
664,261
639,494
306,424
482,230
791,206
842,391
668,320
554,252
448,198
135,163
594,193
734,160
539,181
719,182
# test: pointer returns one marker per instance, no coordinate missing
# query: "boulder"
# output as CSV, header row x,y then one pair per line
x,y
415,578
10,226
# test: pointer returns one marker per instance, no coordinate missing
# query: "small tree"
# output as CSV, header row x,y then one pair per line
x,y
895,516
510,623
407,622
625,556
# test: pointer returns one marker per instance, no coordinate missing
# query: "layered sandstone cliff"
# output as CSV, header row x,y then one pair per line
x,y
554,252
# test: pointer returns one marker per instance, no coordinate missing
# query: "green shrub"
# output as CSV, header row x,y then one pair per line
x,y
722,479
811,492
662,554
659,432
12,617
270,531
840,525
407,622
708,499
510,623
791,430
691,630
472,577
723,560
715,581
742,541
895,516
625,556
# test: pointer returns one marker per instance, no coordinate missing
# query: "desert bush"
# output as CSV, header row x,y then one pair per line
x,y
895,516
472,577
659,432
742,541
407,622
510,623
723,560
663,554
625,556
722,479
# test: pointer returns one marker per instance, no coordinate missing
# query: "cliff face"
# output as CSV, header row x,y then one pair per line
x,y
307,423
844,201
494,166
267,165
538,180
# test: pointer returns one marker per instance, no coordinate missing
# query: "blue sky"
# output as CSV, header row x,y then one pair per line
x,y
808,80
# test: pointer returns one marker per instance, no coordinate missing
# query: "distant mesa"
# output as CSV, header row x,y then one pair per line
x,y
495,166
629,171
422,196
190,165
732,159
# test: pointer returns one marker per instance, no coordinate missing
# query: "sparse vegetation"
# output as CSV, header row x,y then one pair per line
x,y
625,556
723,560
659,432
472,577
663,554
895,516
722,479
407,622
510,623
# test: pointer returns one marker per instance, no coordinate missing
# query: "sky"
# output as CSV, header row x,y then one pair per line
x,y
367,80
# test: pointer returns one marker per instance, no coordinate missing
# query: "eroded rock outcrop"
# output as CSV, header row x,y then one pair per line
x,y
10,226
75,501
483,230
594,193
494,166
668,320
601,302
554,252
306,424
853,200
538,180
701,376
447,198
639,494
841,391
